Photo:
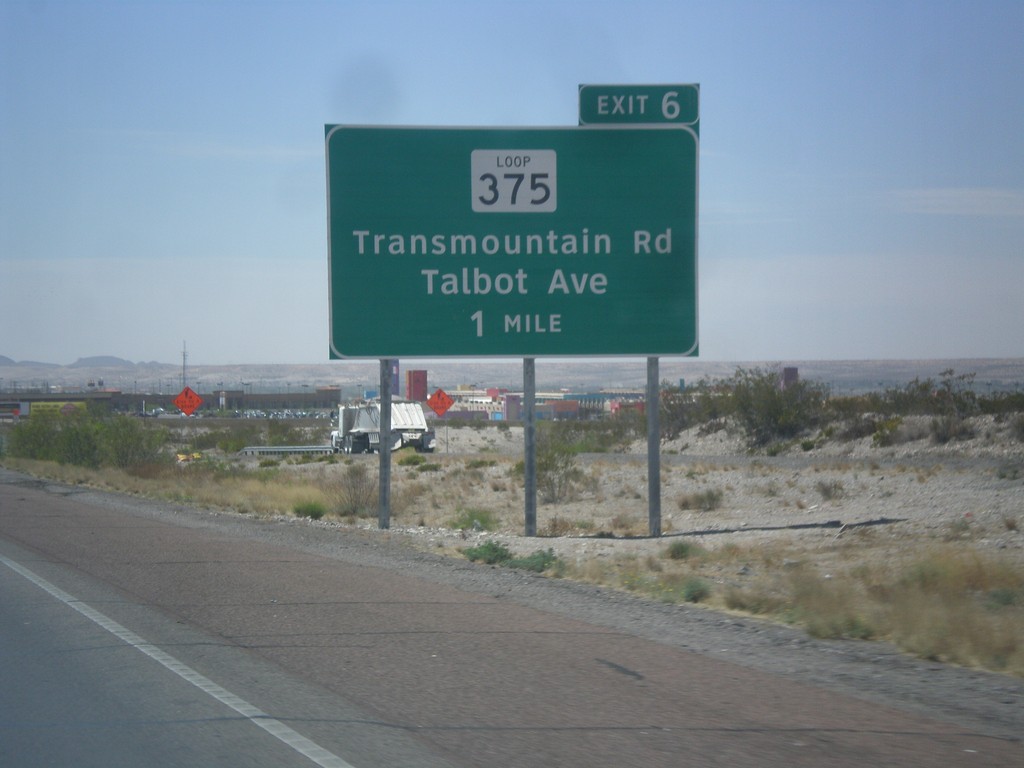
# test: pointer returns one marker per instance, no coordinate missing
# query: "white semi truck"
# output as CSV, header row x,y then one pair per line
x,y
359,428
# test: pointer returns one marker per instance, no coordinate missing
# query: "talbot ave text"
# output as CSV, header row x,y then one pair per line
x,y
483,281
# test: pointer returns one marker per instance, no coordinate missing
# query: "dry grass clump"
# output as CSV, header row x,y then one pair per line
x,y
705,501
949,603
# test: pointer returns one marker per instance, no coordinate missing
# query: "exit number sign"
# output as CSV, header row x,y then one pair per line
x,y
640,104
475,242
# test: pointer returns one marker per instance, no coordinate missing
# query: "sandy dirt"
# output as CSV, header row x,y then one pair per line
x,y
838,496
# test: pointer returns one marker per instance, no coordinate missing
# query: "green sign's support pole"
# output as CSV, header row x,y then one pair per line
x,y
530,444
653,449
384,446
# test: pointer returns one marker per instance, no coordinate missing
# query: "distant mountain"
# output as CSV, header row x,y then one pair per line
x,y
6,361
103,361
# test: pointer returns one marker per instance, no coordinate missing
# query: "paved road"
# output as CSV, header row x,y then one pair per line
x,y
157,634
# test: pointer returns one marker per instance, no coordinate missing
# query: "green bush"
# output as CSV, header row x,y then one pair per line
x,y
538,562
86,440
683,550
592,435
493,553
35,438
558,473
314,510
887,432
768,412
705,405
490,553
280,432
128,442
696,590
474,519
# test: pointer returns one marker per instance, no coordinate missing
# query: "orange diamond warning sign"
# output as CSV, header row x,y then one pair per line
x,y
187,401
440,402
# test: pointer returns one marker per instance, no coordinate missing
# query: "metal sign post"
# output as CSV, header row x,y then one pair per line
x,y
653,449
530,444
384,446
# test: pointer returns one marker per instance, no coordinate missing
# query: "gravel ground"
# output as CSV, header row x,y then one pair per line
x,y
915,491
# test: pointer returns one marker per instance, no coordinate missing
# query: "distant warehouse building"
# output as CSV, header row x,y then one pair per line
x,y
416,386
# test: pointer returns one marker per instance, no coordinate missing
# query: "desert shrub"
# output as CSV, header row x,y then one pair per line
x,y
281,432
705,501
127,442
886,432
960,606
558,473
696,406
857,428
474,519
86,440
538,562
35,438
768,412
1002,403
493,553
558,526
411,460
830,489
314,510
826,607
950,427
490,553
355,492
78,441
592,436
683,550
952,395
754,601
1017,429
696,590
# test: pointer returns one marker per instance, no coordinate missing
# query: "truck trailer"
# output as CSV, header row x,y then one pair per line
x,y
359,428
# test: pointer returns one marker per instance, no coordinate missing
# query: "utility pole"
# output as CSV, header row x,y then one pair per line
x,y
184,357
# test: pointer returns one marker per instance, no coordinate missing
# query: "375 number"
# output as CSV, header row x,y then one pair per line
x,y
514,180
539,188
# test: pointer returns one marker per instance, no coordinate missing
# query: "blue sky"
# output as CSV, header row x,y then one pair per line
x,y
162,172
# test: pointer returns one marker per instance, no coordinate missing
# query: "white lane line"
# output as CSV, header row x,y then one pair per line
x,y
275,728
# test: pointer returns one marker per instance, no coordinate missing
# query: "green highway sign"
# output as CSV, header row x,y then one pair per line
x,y
519,242
639,104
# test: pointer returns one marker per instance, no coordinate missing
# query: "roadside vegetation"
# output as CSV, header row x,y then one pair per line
x,y
945,598
944,601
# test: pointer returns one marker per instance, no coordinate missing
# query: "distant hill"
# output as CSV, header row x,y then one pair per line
x,y
7,362
103,361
